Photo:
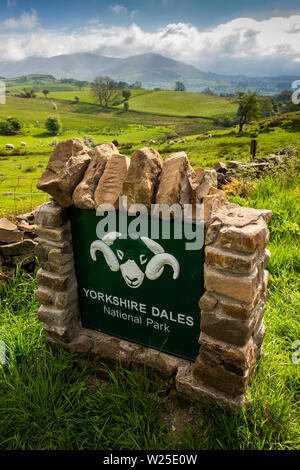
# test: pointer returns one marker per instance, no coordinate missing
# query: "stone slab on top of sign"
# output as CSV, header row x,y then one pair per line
x,y
82,275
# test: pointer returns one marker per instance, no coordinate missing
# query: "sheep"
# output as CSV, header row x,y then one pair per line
x,y
10,146
209,136
23,144
134,257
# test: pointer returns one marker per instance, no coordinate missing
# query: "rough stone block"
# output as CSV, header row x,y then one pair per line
x,y
220,378
246,239
240,309
24,247
51,215
65,170
234,358
239,287
110,184
110,351
52,316
142,178
56,235
64,299
22,260
224,259
237,216
156,363
9,232
83,196
174,186
207,302
57,282
58,268
227,329
212,232
44,296
191,389
59,256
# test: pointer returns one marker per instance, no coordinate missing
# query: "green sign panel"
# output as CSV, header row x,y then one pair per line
x,y
142,289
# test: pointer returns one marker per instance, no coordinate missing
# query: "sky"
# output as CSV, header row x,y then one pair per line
x,y
257,37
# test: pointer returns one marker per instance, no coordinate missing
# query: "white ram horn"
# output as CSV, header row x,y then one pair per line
x,y
110,257
110,237
153,246
156,265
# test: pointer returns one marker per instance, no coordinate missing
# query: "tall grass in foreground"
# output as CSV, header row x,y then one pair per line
x,y
47,403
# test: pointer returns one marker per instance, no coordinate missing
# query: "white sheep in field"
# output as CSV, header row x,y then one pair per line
x,y
23,144
10,146
209,136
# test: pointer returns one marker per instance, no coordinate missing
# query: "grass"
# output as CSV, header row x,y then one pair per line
x,y
48,403
19,173
162,102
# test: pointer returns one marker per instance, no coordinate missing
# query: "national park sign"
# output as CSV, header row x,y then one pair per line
x,y
131,294
137,288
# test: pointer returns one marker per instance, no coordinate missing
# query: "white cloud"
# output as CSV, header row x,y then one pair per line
x,y
120,9
25,21
243,43
11,3
117,9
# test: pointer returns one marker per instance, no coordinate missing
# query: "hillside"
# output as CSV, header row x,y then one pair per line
x,y
166,102
153,70
182,104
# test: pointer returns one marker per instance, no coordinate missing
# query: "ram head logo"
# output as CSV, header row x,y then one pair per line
x,y
135,258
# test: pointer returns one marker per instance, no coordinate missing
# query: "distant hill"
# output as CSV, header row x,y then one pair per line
x,y
153,70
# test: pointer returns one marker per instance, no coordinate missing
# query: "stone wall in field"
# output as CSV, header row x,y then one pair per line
x,y
235,279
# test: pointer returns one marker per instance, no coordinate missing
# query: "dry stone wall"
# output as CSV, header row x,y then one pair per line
x,y
235,279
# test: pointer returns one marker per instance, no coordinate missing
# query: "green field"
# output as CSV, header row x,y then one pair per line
x,y
162,102
18,173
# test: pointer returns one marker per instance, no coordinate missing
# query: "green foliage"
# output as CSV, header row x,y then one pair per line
x,y
249,107
267,106
126,106
179,86
53,125
89,141
208,91
105,90
11,125
126,94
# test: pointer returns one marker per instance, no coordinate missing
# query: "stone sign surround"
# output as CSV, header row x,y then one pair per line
x,y
235,280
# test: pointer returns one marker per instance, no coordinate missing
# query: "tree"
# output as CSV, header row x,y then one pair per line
x,y
249,107
53,125
126,94
81,84
179,86
267,106
11,126
105,90
208,91
46,92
